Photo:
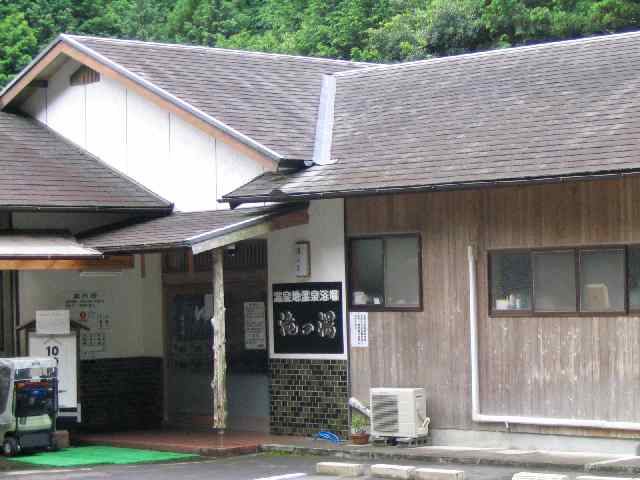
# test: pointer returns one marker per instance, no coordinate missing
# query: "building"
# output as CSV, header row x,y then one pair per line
x,y
478,211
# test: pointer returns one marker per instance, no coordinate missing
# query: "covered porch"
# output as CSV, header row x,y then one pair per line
x,y
159,283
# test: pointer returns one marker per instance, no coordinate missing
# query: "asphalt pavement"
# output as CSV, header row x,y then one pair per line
x,y
249,467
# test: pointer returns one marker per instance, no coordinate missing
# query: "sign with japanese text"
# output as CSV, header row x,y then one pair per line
x,y
359,329
91,309
255,333
307,318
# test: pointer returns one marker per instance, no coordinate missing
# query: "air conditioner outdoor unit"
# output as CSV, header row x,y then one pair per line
x,y
399,412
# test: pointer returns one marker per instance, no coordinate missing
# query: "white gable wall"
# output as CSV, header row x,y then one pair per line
x,y
106,120
154,147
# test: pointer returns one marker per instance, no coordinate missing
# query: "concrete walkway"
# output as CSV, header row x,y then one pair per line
x,y
206,443
534,459
239,443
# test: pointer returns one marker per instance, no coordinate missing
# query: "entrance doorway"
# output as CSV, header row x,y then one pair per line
x,y
189,338
189,359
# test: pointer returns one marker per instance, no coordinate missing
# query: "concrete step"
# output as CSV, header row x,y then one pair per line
x,y
400,472
539,476
340,469
437,474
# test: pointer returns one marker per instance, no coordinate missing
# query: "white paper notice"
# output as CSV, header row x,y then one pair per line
x,y
359,324
255,336
53,322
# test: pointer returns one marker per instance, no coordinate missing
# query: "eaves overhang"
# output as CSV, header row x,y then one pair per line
x,y
300,195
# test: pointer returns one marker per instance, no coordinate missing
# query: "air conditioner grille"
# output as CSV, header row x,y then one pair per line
x,y
385,413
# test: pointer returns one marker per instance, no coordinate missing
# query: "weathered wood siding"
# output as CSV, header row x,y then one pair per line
x,y
553,366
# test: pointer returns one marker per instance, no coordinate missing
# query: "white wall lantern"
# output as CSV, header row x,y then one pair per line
x,y
303,259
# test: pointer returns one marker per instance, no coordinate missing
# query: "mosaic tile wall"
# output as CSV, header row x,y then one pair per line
x,y
121,393
308,396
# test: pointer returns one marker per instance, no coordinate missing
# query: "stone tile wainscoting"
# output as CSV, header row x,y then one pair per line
x,y
308,396
121,393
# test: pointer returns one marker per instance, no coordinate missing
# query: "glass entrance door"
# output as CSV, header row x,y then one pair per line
x,y
189,356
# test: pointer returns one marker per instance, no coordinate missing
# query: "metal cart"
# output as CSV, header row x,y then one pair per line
x,y
28,404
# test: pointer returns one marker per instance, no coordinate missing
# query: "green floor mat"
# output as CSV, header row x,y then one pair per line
x,y
82,456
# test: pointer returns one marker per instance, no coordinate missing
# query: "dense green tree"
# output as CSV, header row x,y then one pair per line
x,y
441,27
18,44
376,30
138,19
206,22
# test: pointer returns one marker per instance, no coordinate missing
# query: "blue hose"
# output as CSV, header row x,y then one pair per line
x,y
332,437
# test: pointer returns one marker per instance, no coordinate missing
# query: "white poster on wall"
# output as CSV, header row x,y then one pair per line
x,y
359,325
91,309
255,335
64,349
53,322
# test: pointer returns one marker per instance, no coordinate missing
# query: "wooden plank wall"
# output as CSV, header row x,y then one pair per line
x,y
557,367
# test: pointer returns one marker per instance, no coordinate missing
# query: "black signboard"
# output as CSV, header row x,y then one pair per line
x,y
307,318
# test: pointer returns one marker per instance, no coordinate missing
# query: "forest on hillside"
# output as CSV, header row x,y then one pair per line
x,y
371,30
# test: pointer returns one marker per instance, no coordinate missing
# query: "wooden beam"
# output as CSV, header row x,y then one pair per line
x,y
90,62
292,219
219,381
110,263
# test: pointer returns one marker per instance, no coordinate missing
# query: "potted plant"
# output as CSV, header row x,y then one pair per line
x,y
359,429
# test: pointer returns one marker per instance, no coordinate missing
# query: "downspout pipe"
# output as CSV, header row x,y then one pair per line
x,y
479,417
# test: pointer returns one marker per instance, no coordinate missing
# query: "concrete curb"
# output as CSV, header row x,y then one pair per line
x,y
399,472
592,477
339,469
348,452
437,474
539,476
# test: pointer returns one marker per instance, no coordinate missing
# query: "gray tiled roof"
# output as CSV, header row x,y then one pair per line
x,y
38,168
551,110
273,99
180,229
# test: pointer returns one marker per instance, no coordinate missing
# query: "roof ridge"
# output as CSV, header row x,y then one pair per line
x,y
72,40
486,53
220,49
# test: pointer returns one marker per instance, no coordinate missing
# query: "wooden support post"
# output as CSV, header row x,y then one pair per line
x,y
218,383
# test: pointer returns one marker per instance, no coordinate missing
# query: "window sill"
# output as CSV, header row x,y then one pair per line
x,y
382,308
528,314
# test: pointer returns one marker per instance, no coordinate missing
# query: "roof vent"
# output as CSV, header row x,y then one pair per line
x,y
84,76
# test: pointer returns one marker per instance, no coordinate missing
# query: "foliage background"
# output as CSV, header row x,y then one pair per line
x,y
372,30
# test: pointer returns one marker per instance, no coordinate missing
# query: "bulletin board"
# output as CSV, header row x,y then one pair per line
x,y
93,310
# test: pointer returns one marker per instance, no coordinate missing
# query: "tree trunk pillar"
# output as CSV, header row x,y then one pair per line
x,y
219,344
